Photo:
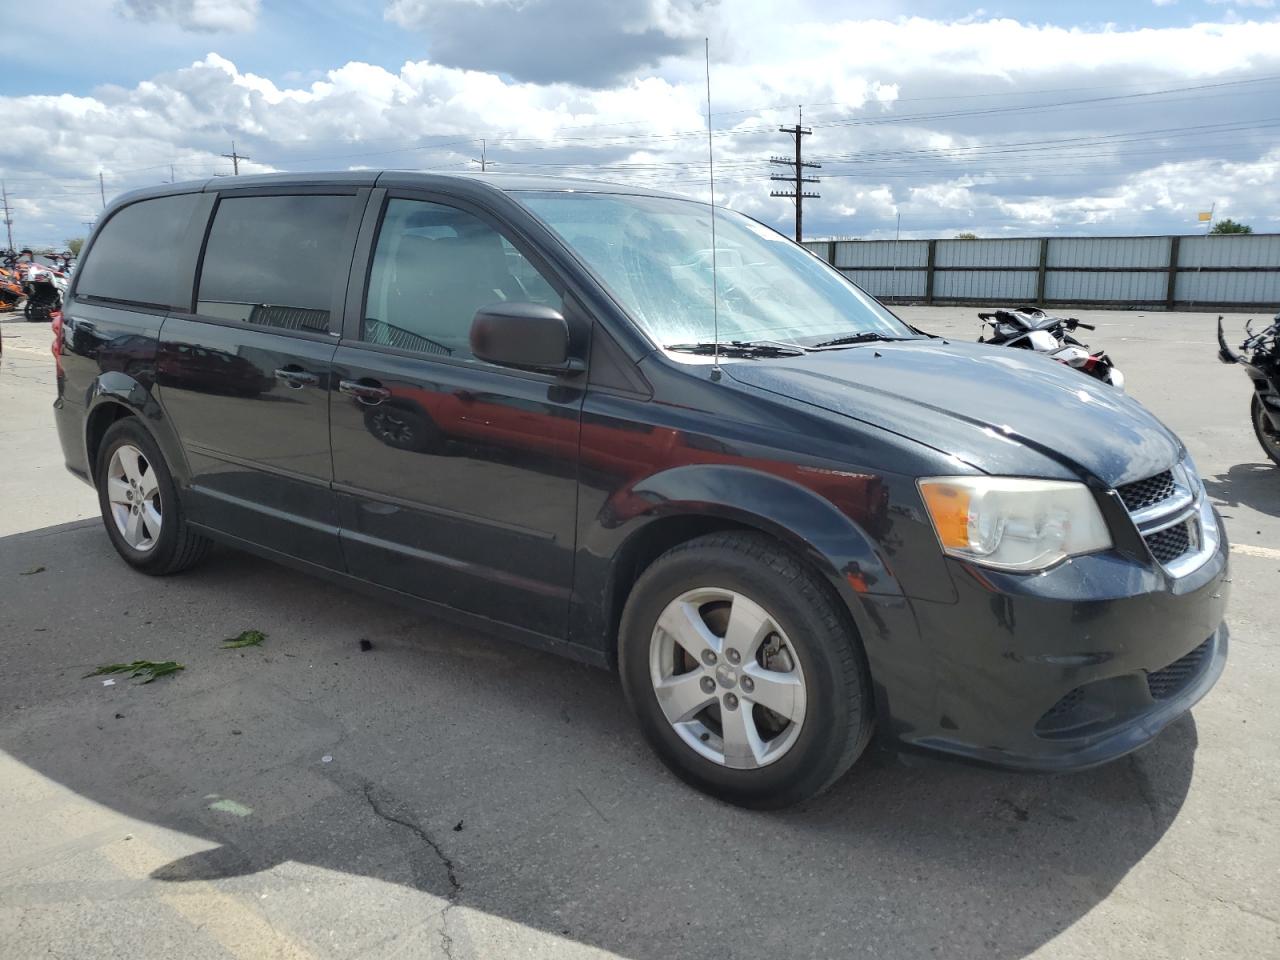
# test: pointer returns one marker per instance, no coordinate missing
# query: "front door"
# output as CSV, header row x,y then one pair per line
x,y
245,377
456,479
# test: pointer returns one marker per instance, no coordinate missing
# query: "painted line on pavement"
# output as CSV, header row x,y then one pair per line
x,y
1250,550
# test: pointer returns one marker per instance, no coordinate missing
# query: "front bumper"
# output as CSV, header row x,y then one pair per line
x,y
1068,669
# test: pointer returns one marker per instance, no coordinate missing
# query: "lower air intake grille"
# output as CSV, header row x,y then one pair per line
x,y
1066,706
1174,678
1170,543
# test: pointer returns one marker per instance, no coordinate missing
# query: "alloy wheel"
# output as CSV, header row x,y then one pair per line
x,y
133,491
727,678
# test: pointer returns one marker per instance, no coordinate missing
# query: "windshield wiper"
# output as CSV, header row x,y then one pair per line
x,y
740,348
867,336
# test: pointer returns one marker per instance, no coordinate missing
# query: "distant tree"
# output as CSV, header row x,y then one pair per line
x,y
75,245
966,236
1230,226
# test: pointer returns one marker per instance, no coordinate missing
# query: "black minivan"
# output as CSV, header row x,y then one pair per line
x,y
554,409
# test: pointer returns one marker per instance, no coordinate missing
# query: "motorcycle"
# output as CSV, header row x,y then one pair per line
x,y
1260,356
1030,328
10,289
44,288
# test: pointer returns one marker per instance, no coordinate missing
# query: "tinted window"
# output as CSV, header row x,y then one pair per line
x,y
135,256
434,266
276,261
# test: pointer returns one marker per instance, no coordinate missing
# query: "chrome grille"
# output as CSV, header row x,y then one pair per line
x,y
1169,544
1166,509
1145,493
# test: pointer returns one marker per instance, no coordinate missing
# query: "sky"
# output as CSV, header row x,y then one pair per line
x,y
932,117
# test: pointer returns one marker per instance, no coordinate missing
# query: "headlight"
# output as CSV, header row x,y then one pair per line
x,y
1014,524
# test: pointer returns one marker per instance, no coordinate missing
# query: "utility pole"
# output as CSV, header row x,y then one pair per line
x,y
481,161
796,177
8,220
235,159
102,190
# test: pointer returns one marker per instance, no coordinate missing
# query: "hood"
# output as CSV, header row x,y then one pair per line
x,y
981,404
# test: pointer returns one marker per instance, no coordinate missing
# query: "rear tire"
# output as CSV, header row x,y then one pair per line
x,y
1267,435
801,634
140,505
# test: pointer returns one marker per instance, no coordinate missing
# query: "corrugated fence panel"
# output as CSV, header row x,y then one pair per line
x,y
1008,285
1219,287
987,253
1229,251
882,253
1108,252
889,283
1074,286
1225,270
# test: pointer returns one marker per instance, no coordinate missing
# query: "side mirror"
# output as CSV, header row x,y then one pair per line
x,y
529,336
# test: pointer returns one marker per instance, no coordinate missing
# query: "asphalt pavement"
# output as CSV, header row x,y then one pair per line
x,y
444,794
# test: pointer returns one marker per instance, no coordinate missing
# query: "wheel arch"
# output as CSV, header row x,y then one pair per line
x,y
116,396
689,502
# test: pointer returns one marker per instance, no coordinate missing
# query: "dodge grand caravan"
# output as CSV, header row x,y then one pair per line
x,y
787,518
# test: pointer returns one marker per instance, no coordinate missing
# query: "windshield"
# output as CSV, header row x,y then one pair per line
x,y
654,254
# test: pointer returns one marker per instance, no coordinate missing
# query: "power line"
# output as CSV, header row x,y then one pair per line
x,y
798,166
235,159
8,219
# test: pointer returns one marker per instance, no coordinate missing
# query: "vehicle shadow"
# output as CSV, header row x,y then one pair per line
x,y
511,782
1255,485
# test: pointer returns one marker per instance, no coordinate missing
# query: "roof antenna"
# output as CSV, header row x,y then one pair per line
x,y
711,173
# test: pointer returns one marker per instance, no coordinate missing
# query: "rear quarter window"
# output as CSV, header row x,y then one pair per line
x,y
135,257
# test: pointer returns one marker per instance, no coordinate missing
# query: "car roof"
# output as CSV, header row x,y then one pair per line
x,y
497,182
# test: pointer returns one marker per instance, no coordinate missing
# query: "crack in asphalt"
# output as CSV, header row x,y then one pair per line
x,y
455,886
1198,888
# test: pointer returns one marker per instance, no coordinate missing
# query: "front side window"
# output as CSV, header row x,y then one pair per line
x,y
654,254
135,256
433,268
276,261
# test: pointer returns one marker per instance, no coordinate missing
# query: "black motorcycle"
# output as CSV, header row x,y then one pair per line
x,y
1260,357
1030,328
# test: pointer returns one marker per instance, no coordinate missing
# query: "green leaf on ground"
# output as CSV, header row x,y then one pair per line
x,y
27,573
248,638
151,669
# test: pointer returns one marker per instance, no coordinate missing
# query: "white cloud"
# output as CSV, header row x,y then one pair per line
x,y
204,16
939,171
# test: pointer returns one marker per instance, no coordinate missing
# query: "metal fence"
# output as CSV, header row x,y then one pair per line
x,y
1173,273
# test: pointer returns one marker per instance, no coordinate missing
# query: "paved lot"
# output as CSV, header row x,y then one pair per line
x,y
445,794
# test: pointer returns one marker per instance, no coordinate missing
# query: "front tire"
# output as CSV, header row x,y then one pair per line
x,y
140,506
744,673
1268,436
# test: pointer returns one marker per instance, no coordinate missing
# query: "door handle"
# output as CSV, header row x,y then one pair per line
x,y
369,392
296,377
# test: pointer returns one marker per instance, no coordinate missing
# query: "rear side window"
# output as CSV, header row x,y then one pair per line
x,y
277,261
136,255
